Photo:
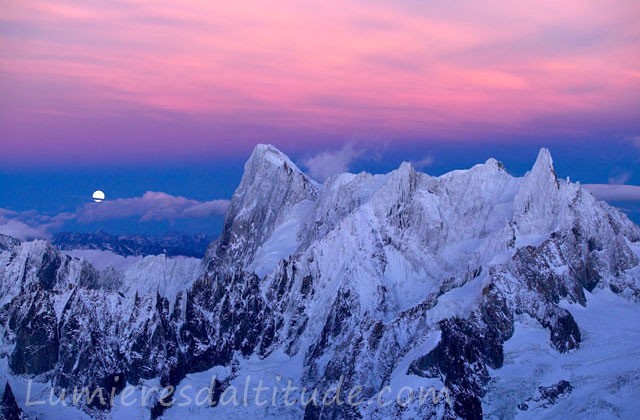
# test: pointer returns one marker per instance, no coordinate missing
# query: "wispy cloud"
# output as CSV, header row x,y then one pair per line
x,y
205,209
428,68
615,193
620,178
331,162
423,163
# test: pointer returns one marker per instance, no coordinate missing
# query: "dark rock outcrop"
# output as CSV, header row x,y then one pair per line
x,y
547,395
9,409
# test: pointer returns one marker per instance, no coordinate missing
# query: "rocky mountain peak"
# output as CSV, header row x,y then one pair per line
x,y
540,200
543,167
494,163
7,242
270,189
267,153
268,165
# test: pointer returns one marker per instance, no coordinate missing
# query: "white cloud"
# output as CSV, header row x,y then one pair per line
x,y
150,206
425,162
620,178
30,224
608,192
207,208
22,231
330,162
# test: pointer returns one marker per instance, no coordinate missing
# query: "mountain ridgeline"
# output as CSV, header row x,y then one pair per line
x,y
366,278
171,244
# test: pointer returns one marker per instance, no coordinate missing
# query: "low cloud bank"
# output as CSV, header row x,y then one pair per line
x,y
151,206
611,192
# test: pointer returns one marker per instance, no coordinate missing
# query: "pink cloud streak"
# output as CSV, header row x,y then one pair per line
x,y
410,68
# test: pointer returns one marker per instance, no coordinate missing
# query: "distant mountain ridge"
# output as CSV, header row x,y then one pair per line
x,y
171,244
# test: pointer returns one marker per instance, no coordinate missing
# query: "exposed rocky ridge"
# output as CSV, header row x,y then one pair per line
x,y
63,319
358,275
271,187
9,409
547,395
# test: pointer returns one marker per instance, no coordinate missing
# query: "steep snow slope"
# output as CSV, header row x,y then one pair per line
x,y
144,275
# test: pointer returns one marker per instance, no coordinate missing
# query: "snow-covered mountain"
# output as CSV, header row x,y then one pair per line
x,y
495,288
171,244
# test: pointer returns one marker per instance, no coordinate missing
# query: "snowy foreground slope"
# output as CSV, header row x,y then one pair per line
x,y
461,296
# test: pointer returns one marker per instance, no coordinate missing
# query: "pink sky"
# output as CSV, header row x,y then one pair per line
x,y
160,77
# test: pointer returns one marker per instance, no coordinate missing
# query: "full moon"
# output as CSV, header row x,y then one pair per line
x,y
98,196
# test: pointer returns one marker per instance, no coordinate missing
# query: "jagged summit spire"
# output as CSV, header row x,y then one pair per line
x,y
406,167
271,186
538,204
266,164
268,153
544,163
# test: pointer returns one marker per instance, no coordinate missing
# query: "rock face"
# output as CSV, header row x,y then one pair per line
x,y
547,395
8,406
271,191
64,319
369,278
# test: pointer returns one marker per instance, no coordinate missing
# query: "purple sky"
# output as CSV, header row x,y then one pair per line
x,y
132,81
159,102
